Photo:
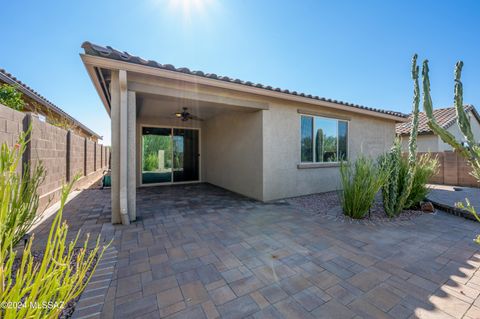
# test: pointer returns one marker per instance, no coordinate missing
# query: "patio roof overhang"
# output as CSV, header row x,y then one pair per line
x,y
150,82
188,86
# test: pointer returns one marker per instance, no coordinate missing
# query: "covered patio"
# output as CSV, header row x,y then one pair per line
x,y
169,128
219,254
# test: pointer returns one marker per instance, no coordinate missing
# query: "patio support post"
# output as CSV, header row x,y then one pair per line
x,y
132,184
115,150
123,148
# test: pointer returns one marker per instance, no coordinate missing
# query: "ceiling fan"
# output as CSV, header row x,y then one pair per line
x,y
185,116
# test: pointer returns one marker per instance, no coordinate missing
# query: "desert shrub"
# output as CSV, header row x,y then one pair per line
x,y
427,167
150,163
11,97
361,181
30,288
18,193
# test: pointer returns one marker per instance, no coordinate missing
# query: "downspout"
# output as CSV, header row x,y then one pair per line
x,y
123,148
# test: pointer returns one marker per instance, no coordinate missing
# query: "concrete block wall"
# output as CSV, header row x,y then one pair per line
x,y
453,170
64,154
90,157
98,156
77,155
11,125
48,146
106,159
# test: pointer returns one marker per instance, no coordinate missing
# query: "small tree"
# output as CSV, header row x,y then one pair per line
x,y
11,97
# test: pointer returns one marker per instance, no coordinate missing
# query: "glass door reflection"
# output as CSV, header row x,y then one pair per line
x,y
185,155
170,155
157,155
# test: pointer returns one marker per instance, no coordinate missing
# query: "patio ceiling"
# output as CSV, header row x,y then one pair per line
x,y
161,106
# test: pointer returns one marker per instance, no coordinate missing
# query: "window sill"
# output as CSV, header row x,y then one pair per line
x,y
317,165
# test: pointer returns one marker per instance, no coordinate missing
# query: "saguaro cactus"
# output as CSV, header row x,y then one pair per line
x,y
395,192
470,152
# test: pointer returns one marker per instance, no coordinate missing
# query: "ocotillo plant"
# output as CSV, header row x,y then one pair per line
x,y
395,192
471,151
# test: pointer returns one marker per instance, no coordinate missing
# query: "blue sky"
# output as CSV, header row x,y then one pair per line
x,y
357,51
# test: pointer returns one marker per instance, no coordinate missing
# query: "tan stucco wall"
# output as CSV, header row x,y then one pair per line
x,y
233,152
425,143
230,150
281,140
256,152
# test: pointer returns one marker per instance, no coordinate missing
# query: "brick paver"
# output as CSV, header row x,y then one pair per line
x,y
198,251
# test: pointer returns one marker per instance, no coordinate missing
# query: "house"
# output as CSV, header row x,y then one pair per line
x,y
37,104
173,125
427,141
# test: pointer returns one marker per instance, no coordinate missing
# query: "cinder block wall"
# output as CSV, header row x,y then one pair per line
x,y
11,125
48,146
77,157
453,170
64,154
98,156
90,156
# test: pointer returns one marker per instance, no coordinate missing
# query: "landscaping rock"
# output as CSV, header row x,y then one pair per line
x,y
427,207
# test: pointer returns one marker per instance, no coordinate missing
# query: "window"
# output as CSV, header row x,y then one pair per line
x,y
323,139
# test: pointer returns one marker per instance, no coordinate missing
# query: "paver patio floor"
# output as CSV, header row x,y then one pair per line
x,y
201,252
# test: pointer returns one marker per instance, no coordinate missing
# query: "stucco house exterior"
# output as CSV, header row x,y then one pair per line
x,y
173,125
51,113
427,141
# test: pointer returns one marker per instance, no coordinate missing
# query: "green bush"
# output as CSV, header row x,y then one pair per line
x,y
427,167
361,181
150,163
11,97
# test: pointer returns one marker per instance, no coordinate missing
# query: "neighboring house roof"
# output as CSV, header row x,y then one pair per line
x,y
31,93
111,53
445,117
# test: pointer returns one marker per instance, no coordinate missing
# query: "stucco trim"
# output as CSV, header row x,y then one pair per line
x,y
318,165
324,114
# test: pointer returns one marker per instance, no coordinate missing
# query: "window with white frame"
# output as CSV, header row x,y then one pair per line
x,y
323,139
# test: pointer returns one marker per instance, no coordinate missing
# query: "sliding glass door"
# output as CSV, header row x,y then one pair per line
x,y
169,155
185,155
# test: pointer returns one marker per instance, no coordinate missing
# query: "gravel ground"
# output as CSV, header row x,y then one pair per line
x,y
67,312
328,204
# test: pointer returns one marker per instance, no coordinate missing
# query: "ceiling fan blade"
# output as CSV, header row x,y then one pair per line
x,y
194,117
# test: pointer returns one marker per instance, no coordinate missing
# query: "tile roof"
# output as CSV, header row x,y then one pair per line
x,y
25,89
445,117
111,53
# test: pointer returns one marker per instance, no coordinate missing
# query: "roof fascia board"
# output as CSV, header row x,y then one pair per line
x,y
112,64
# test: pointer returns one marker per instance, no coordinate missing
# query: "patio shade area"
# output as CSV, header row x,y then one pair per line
x,y
199,251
